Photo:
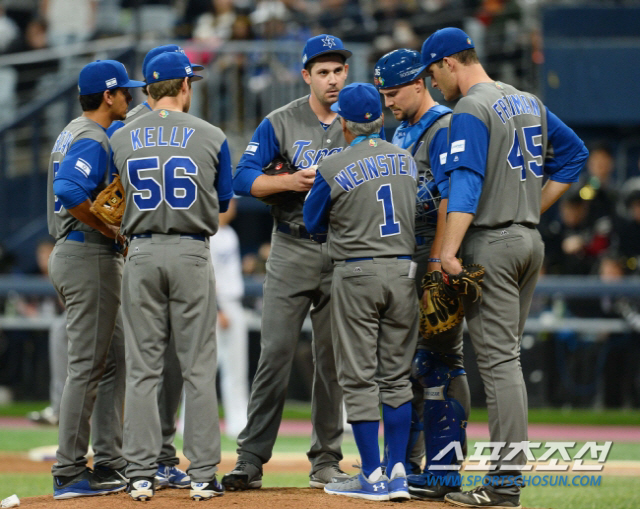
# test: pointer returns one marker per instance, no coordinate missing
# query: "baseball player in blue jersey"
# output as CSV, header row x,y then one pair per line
x,y
176,173
86,271
502,143
298,271
441,412
170,390
364,198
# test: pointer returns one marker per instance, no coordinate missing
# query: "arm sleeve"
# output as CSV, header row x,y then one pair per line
x,y
84,165
316,207
438,157
69,193
466,187
223,182
262,149
566,153
469,145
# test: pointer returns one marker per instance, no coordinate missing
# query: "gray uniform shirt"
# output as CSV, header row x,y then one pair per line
x,y
372,191
168,164
60,222
517,146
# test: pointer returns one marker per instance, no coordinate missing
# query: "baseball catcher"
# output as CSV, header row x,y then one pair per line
x,y
441,308
110,203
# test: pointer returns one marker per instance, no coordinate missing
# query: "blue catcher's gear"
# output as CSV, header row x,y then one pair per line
x,y
444,418
397,68
427,202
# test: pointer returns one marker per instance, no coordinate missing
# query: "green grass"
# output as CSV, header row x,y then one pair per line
x,y
25,485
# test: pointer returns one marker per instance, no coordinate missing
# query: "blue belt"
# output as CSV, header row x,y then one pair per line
x,y
89,238
300,232
369,258
76,235
193,236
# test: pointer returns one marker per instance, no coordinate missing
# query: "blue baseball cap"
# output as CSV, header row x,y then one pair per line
x,y
321,45
169,66
358,102
443,43
104,75
397,68
164,49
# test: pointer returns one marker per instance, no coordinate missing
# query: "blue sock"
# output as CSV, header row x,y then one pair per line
x,y
397,426
366,435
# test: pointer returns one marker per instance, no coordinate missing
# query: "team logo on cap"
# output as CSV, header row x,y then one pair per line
x,y
433,55
367,116
163,113
156,74
188,70
468,41
328,41
113,82
378,82
304,58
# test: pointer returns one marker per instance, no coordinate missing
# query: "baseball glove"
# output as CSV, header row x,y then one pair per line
x,y
441,308
110,203
280,166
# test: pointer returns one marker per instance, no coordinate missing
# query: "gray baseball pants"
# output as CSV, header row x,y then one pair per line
x,y
512,258
87,277
169,288
298,276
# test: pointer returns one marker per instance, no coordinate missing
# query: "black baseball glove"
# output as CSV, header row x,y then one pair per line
x,y
280,166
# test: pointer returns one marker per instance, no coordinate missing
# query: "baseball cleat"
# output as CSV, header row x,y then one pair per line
x,y
483,497
85,484
206,490
245,476
141,488
106,474
359,486
326,475
398,488
427,486
170,476
45,416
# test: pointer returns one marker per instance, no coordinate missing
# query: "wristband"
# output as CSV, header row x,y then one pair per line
x,y
433,260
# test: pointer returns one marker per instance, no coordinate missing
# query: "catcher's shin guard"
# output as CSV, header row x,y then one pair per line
x,y
444,417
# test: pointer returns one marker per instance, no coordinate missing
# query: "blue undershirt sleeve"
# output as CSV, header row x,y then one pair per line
x,y
438,156
69,193
262,149
316,207
466,187
469,144
85,166
224,180
566,153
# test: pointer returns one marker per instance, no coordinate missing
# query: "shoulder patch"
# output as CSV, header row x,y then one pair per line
x,y
457,146
443,158
83,167
251,148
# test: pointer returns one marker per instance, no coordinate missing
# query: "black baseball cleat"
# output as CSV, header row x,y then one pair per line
x,y
483,497
85,484
206,490
245,476
426,486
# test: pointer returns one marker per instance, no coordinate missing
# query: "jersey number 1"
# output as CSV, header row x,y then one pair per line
x,y
390,225
533,146
179,191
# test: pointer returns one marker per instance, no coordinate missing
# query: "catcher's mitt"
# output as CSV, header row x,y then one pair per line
x,y
280,166
441,308
110,203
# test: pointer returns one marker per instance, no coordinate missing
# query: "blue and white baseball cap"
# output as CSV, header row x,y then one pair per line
x,y
358,102
321,45
397,68
164,49
169,66
104,75
443,43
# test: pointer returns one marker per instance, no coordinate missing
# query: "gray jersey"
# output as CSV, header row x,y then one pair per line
x,y
168,162
373,192
515,154
59,220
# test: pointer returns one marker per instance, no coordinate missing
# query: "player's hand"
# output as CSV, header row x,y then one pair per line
x,y
302,180
451,265
223,320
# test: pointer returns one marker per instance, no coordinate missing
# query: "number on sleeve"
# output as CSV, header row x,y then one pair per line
x,y
533,146
390,225
179,191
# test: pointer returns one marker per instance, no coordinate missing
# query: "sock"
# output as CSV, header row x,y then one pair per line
x,y
366,436
397,426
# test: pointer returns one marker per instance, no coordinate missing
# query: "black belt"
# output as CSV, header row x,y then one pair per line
x,y
370,258
300,232
193,236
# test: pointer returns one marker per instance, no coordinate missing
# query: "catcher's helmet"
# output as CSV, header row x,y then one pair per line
x,y
397,68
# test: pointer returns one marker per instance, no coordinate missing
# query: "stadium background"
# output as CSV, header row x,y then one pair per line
x,y
582,345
